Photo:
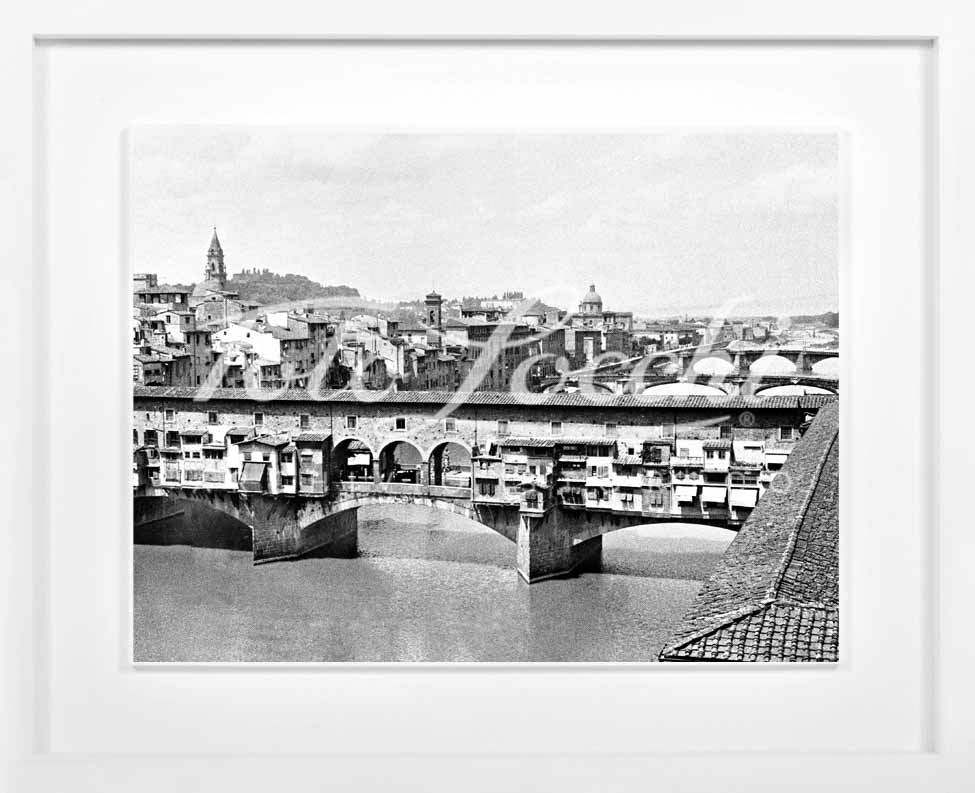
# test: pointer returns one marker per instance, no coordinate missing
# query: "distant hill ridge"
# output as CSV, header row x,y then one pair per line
x,y
267,287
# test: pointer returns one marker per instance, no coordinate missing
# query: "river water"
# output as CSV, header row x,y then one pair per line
x,y
427,586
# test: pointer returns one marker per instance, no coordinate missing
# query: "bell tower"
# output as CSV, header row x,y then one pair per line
x,y
215,270
434,318
434,313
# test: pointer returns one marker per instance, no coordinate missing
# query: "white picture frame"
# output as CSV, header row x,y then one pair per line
x,y
81,718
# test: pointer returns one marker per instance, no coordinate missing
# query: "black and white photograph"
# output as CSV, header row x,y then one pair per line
x,y
484,397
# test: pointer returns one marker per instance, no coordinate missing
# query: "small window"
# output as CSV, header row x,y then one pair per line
x,y
727,432
787,433
211,417
351,422
287,457
287,481
304,421
149,438
450,424
556,427
502,426
135,437
247,457
258,419
266,456
172,438
170,414
611,429
400,422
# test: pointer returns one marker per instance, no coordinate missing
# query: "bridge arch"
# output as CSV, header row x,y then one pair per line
x,y
450,464
683,389
792,389
827,367
373,499
401,460
352,460
197,518
715,365
772,365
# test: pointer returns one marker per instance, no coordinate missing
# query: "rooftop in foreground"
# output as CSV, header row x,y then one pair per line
x,y
774,595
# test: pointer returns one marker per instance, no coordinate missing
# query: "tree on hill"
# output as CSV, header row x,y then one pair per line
x,y
267,287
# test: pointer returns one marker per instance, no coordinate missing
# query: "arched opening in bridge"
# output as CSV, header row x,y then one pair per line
x,y
713,366
683,389
665,367
401,461
772,365
414,531
679,551
164,520
828,367
450,465
352,461
792,390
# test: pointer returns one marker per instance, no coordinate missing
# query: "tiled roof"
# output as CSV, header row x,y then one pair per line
x,y
717,443
309,436
493,398
629,459
774,595
270,440
163,290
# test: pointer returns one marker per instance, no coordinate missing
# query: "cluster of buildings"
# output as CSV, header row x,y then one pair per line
x,y
208,335
680,458
718,478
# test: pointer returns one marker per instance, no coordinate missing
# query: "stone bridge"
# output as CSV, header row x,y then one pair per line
x,y
743,361
734,371
202,450
556,543
731,385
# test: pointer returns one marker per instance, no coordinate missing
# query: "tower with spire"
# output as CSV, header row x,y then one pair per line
x,y
215,274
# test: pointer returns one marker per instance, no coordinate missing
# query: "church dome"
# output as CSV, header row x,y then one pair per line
x,y
592,296
591,302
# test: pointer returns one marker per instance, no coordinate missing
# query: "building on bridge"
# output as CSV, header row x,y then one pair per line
x,y
553,472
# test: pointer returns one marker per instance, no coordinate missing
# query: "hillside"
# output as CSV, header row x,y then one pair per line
x,y
268,288
831,319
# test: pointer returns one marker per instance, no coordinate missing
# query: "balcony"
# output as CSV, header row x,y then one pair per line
x,y
687,462
627,480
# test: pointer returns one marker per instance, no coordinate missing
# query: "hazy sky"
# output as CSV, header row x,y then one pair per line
x,y
661,223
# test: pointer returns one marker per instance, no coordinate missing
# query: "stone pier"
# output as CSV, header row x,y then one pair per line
x,y
547,547
288,528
